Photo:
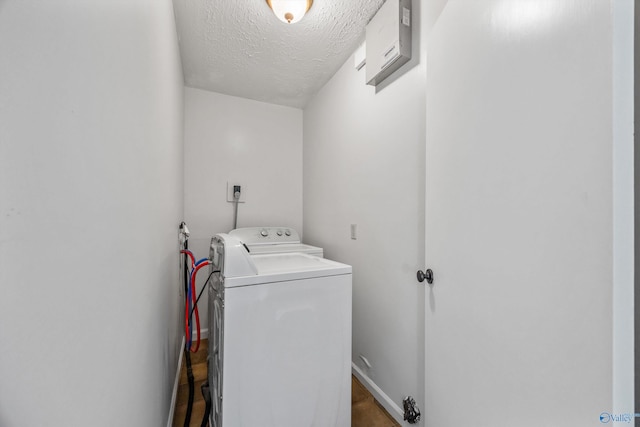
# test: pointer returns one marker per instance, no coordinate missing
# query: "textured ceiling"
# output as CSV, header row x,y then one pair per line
x,y
239,47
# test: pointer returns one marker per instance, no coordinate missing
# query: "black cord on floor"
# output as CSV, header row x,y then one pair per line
x,y
187,355
187,417
206,394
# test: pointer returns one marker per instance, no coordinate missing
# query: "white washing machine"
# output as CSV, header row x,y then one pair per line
x,y
264,240
280,341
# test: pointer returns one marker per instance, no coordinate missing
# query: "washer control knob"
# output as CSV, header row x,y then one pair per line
x,y
287,233
279,233
264,232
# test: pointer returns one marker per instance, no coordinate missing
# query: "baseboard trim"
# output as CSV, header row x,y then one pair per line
x,y
204,334
176,384
386,402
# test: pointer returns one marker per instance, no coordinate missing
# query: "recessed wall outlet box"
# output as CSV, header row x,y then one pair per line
x,y
388,40
360,56
230,191
354,231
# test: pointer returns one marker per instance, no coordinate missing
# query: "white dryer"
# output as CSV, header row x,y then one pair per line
x,y
271,240
280,341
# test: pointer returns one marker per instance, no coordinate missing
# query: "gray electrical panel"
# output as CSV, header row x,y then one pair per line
x,y
388,40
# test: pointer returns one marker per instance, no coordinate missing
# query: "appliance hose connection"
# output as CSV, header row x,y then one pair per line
x,y
236,199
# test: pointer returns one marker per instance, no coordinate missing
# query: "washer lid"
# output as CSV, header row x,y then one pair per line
x,y
286,267
284,248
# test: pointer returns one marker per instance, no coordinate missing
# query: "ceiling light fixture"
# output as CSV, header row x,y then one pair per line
x,y
290,11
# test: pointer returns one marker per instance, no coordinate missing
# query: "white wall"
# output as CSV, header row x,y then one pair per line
x,y
90,200
229,138
623,206
636,155
364,165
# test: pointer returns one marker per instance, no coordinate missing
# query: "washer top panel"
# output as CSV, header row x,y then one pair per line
x,y
239,268
275,268
280,248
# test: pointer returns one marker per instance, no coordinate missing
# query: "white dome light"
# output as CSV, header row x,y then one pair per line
x,y
290,11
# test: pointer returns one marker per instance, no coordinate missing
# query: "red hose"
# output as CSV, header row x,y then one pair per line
x,y
193,259
195,304
195,309
187,332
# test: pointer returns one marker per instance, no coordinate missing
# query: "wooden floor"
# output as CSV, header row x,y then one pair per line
x,y
365,411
